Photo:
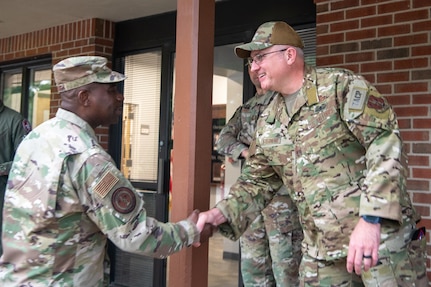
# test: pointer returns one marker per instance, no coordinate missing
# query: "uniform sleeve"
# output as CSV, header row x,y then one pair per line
x,y
373,122
228,143
253,190
118,210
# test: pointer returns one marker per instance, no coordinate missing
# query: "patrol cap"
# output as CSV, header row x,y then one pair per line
x,y
75,72
269,34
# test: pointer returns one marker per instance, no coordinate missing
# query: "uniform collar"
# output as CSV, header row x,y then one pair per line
x,y
76,120
308,93
307,96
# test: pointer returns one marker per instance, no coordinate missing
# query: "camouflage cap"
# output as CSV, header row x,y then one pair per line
x,y
76,72
269,34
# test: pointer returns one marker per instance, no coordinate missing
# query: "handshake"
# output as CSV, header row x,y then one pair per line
x,y
206,223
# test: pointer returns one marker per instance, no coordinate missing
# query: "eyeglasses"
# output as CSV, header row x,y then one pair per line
x,y
259,57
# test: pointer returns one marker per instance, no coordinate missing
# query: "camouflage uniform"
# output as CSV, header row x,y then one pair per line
x,y
340,156
65,197
271,246
13,128
238,133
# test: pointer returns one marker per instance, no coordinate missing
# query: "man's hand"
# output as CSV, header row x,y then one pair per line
x,y
194,216
244,153
205,232
213,216
363,247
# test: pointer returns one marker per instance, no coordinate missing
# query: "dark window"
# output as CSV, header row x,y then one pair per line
x,y
26,88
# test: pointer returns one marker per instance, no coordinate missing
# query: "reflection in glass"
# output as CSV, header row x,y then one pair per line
x,y
39,97
141,113
12,90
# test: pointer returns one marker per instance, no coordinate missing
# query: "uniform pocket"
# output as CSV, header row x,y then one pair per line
x,y
417,255
381,275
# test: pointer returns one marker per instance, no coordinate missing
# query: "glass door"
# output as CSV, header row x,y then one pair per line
x,y
223,269
142,161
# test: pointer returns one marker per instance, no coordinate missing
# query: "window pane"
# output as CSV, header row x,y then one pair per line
x,y
141,117
12,90
40,94
309,37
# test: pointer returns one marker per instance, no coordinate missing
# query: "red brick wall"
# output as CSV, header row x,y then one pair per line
x,y
388,42
86,37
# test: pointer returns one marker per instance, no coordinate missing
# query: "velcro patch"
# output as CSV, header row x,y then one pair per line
x,y
123,200
252,148
377,104
312,97
271,141
106,184
357,98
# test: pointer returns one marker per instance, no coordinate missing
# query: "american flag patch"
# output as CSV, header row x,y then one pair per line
x,y
106,184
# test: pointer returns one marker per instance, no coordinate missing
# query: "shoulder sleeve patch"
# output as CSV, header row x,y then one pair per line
x,y
357,98
123,200
106,184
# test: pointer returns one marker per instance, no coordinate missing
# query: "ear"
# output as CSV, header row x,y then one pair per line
x,y
290,55
83,97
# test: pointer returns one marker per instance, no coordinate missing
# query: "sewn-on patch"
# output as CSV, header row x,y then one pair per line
x,y
357,99
377,104
105,184
271,141
123,200
26,125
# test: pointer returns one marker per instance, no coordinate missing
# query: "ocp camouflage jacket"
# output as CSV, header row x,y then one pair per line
x,y
340,155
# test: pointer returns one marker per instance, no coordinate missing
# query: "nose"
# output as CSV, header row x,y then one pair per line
x,y
254,66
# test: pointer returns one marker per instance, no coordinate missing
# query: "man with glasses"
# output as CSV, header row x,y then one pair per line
x,y
334,141
271,246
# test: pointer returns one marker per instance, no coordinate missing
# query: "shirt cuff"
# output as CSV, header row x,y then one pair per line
x,y
371,219
192,231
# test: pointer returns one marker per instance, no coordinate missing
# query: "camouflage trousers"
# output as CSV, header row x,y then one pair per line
x,y
271,246
402,263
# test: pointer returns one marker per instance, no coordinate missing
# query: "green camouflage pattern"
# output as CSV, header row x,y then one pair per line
x,y
271,246
75,72
269,34
238,133
285,236
402,262
340,156
256,262
64,199
320,273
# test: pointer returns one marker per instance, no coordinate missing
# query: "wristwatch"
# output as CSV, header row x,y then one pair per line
x,y
371,219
